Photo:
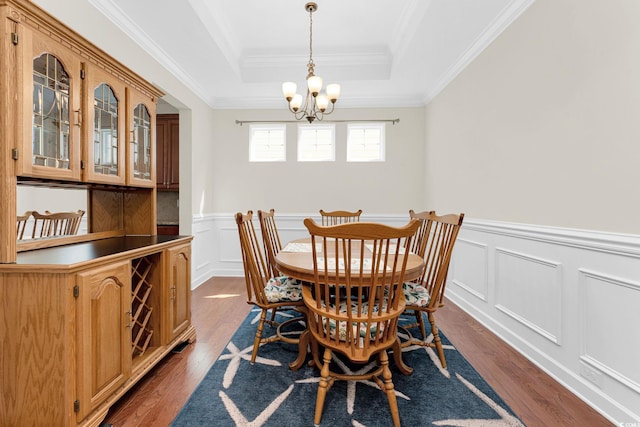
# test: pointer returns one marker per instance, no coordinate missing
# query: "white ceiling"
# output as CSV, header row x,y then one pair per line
x,y
384,53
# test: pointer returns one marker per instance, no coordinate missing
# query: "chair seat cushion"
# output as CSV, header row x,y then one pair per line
x,y
342,326
415,294
283,288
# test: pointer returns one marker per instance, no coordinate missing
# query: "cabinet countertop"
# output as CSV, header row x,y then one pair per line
x,y
80,253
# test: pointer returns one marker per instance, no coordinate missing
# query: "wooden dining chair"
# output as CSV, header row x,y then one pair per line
x,y
425,295
263,290
355,301
51,224
270,239
419,242
21,224
339,217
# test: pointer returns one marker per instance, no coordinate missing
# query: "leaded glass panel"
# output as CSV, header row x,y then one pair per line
x,y
105,131
51,126
141,142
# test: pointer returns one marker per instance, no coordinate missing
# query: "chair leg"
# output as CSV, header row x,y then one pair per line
x,y
436,340
258,338
322,386
388,388
420,321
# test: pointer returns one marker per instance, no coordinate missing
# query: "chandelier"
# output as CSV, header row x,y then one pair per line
x,y
316,103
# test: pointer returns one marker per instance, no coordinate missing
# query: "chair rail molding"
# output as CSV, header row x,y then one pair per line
x,y
564,298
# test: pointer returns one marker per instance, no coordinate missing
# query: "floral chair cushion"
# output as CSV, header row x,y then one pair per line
x,y
415,294
283,288
341,327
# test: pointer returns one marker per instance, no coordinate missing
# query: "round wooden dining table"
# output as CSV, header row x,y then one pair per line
x,y
296,260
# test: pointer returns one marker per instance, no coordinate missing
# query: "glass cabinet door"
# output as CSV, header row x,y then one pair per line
x,y
50,132
105,133
141,133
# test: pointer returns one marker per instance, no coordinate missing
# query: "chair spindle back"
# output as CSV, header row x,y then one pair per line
x,y
339,217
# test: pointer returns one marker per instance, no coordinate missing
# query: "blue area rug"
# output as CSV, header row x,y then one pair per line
x,y
235,393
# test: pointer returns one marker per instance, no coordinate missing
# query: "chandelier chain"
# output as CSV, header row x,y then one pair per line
x,y
311,36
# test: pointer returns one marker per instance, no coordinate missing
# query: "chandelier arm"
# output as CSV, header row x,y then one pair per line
x,y
300,114
329,109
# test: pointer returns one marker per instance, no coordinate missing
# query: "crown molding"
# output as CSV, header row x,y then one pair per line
x,y
510,13
114,14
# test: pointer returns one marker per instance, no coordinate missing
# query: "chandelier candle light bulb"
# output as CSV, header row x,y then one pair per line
x,y
316,103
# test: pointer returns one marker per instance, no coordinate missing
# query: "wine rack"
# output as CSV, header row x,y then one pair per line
x,y
141,309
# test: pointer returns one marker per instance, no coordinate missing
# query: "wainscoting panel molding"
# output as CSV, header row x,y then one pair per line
x,y
566,299
607,303
528,289
472,275
204,249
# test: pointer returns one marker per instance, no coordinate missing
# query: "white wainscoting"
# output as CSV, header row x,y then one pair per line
x,y
568,300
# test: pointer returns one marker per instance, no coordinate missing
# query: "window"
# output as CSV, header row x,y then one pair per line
x,y
267,143
365,142
316,143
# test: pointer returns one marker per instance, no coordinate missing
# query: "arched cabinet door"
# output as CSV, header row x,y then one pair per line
x,y
177,291
51,115
141,139
104,333
104,150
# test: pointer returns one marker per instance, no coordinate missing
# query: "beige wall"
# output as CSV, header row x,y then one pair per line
x,y
544,126
393,186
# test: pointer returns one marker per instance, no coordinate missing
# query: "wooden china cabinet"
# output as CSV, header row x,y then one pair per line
x,y
83,317
168,152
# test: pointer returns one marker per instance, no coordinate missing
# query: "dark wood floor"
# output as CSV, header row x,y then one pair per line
x,y
218,306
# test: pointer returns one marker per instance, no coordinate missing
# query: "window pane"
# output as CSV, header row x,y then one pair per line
x,y
316,143
365,142
267,143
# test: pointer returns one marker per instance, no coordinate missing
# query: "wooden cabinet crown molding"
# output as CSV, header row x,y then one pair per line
x,y
31,16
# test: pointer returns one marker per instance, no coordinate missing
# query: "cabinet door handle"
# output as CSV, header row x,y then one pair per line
x,y
129,313
78,121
